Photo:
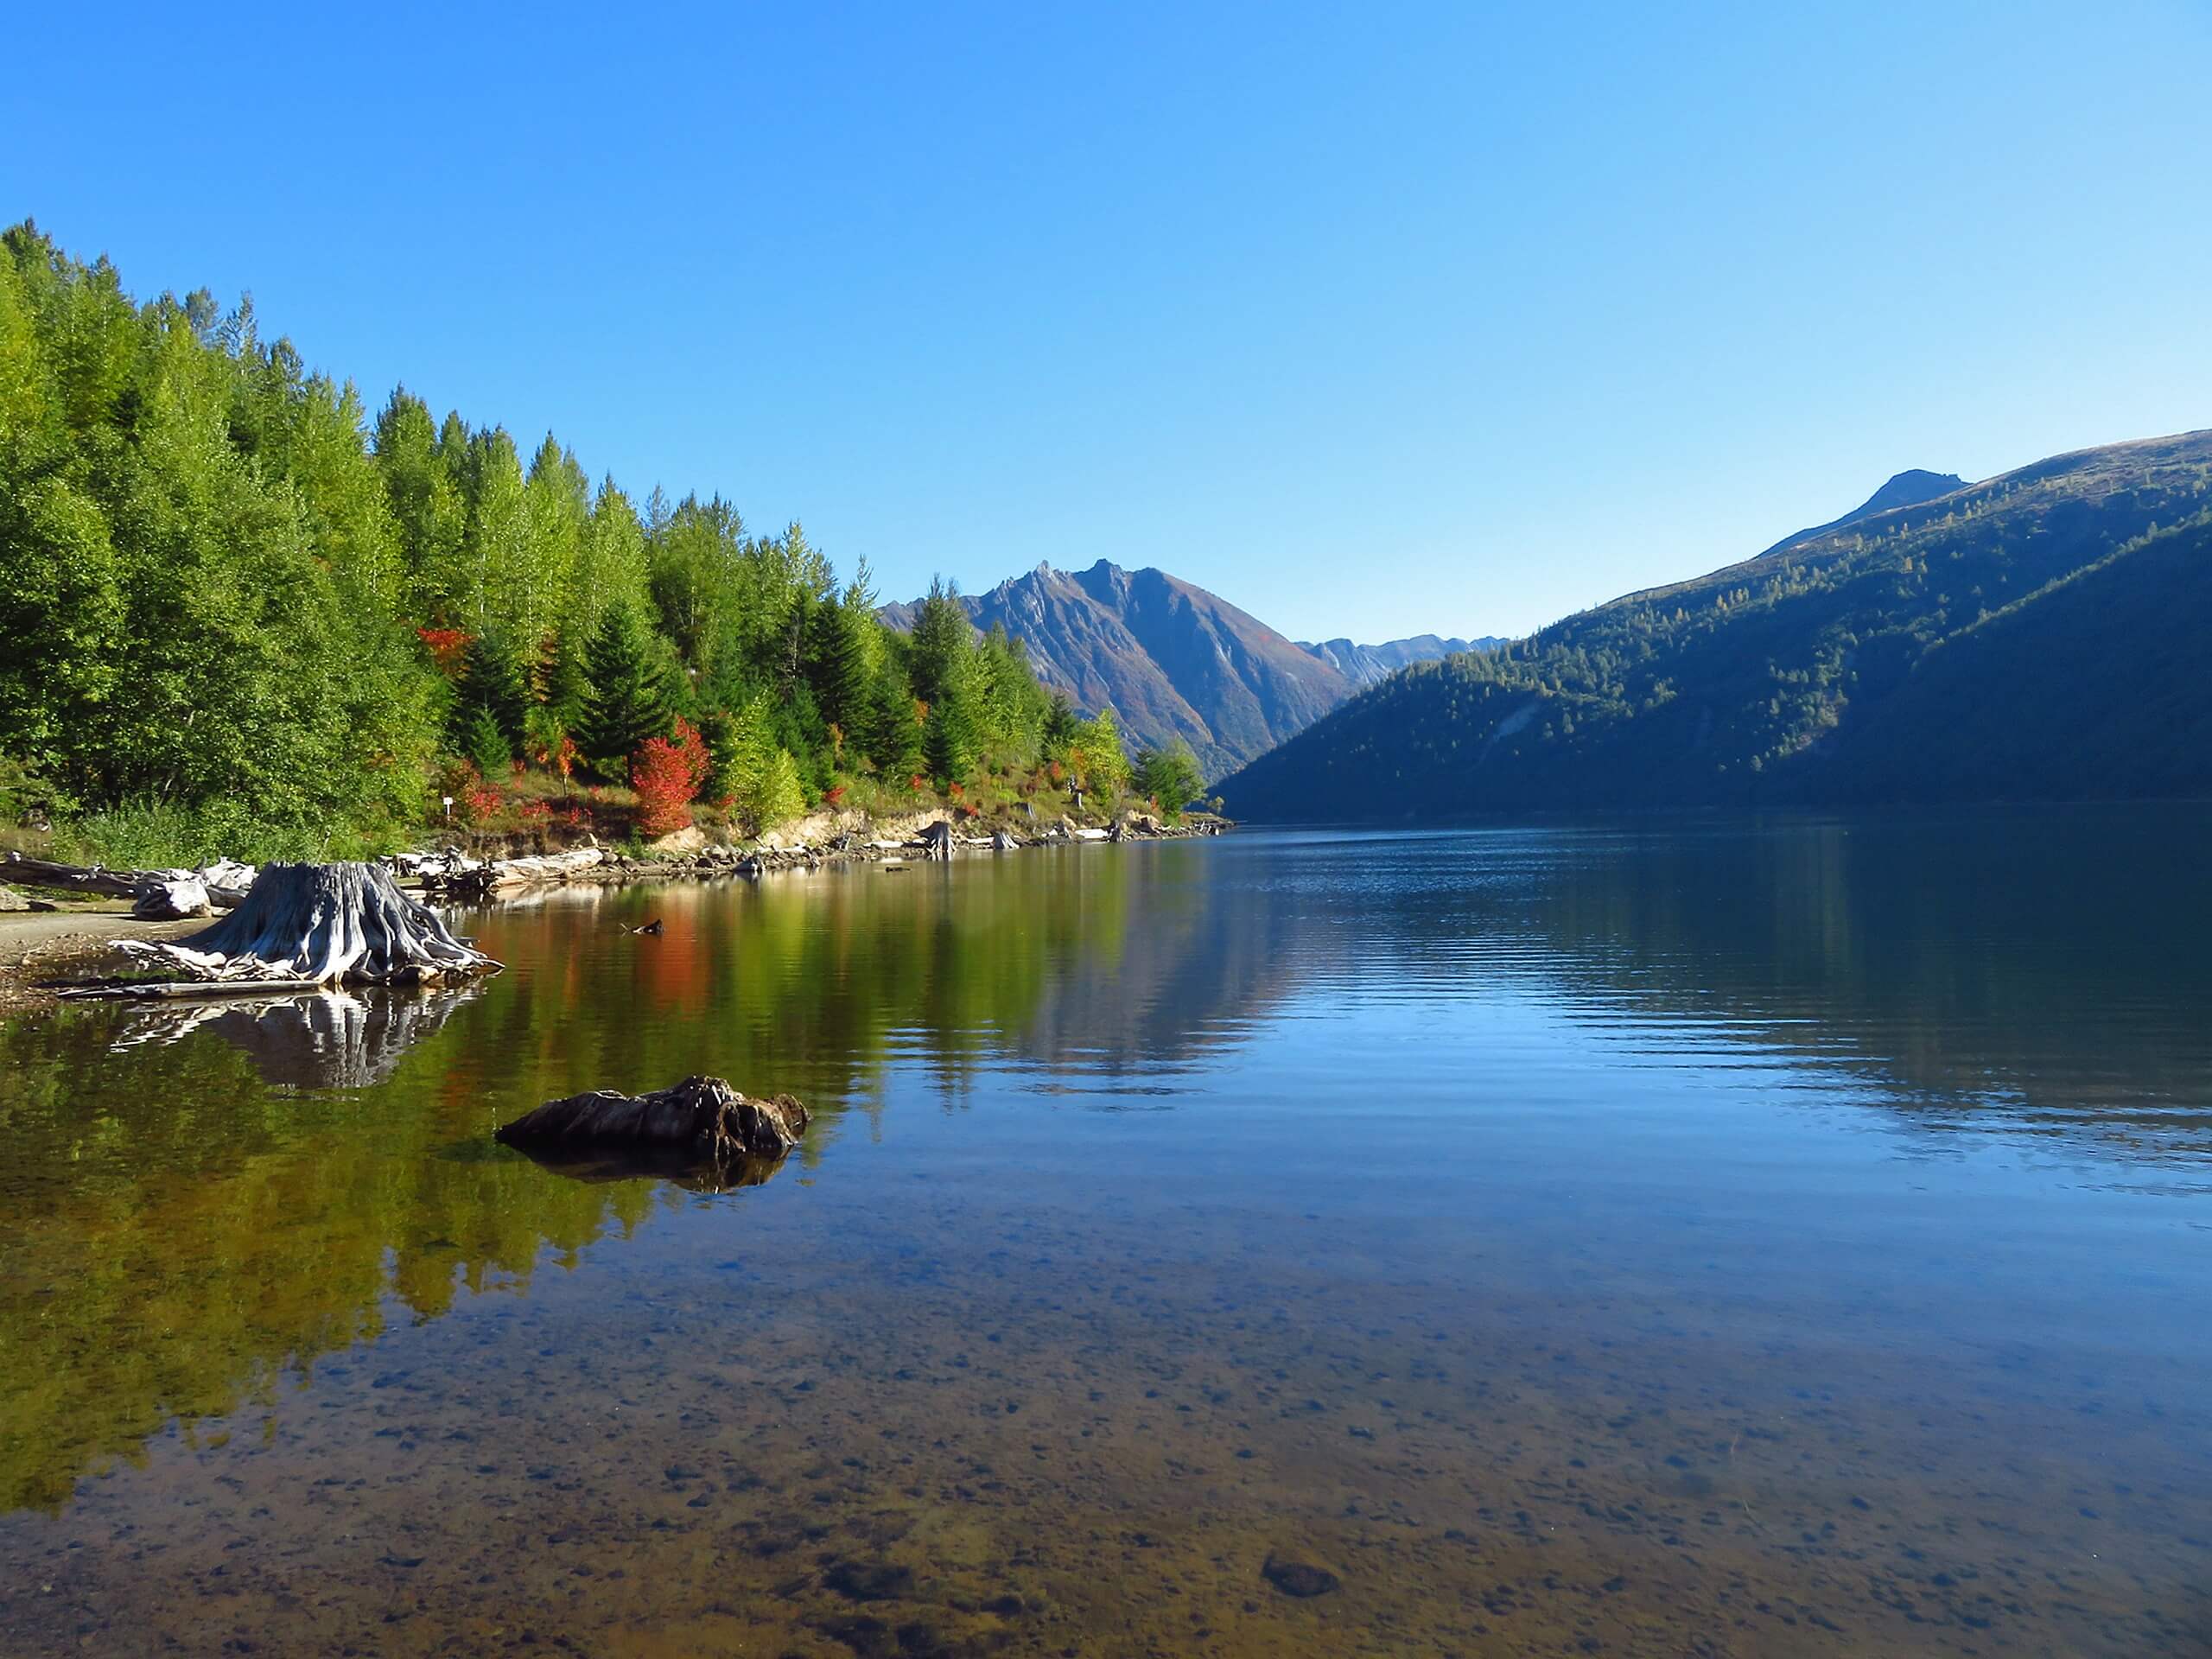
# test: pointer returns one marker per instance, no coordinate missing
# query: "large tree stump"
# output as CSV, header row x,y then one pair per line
x,y
330,924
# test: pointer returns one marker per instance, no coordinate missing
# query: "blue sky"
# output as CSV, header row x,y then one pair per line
x,y
1375,320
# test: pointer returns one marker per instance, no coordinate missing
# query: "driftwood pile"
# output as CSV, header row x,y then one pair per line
x,y
451,873
157,895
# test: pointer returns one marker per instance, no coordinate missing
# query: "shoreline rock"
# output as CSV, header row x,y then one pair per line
x,y
451,875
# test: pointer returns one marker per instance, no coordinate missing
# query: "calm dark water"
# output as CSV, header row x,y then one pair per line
x,y
1745,1238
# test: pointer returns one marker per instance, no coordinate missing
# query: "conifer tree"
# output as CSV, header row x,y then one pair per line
x,y
940,647
893,738
630,698
949,741
491,686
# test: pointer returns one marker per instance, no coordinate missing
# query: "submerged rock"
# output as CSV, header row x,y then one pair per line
x,y
701,1126
1299,1579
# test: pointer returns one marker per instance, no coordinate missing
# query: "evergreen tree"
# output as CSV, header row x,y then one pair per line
x,y
491,687
1170,775
630,698
894,740
486,745
948,742
938,657
1060,725
842,667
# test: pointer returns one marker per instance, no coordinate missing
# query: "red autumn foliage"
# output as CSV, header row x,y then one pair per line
x,y
561,757
447,647
831,797
480,802
915,781
667,773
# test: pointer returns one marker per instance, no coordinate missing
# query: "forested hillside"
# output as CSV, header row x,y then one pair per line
x,y
2037,636
237,605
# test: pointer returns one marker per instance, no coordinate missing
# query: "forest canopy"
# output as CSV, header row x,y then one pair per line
x,y
238,602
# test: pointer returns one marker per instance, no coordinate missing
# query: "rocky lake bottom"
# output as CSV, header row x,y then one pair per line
x,y
1724,1238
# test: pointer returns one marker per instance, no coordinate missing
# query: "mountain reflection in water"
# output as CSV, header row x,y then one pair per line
x,y
1576,1172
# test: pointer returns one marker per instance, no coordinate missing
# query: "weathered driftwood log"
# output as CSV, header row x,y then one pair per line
x,y
465,879
702,1130
937,840
170,901
227,882
190,990
328,924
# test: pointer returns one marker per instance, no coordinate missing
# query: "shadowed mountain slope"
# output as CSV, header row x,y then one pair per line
x,y
2033,637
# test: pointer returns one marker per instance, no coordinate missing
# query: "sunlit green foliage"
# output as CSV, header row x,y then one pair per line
x,y
216,574
1095,757
1170,776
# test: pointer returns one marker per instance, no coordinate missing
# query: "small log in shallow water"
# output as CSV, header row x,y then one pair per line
x,y
323,924
703,1116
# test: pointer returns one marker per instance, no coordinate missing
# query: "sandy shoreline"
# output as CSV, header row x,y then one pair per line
x,y
45,944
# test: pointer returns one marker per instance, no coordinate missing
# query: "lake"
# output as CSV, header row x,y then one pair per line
x,y
1673,1237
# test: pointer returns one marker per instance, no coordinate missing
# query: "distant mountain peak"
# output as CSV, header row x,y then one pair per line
x,y
1175,661
1366,665
1906,489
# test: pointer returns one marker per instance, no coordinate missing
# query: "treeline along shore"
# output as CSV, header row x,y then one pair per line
x,y
249,620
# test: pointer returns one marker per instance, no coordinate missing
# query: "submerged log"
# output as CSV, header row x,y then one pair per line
x,y
327,924
700,1128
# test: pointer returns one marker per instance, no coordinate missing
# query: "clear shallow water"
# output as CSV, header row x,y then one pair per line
x,y
1702,1238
